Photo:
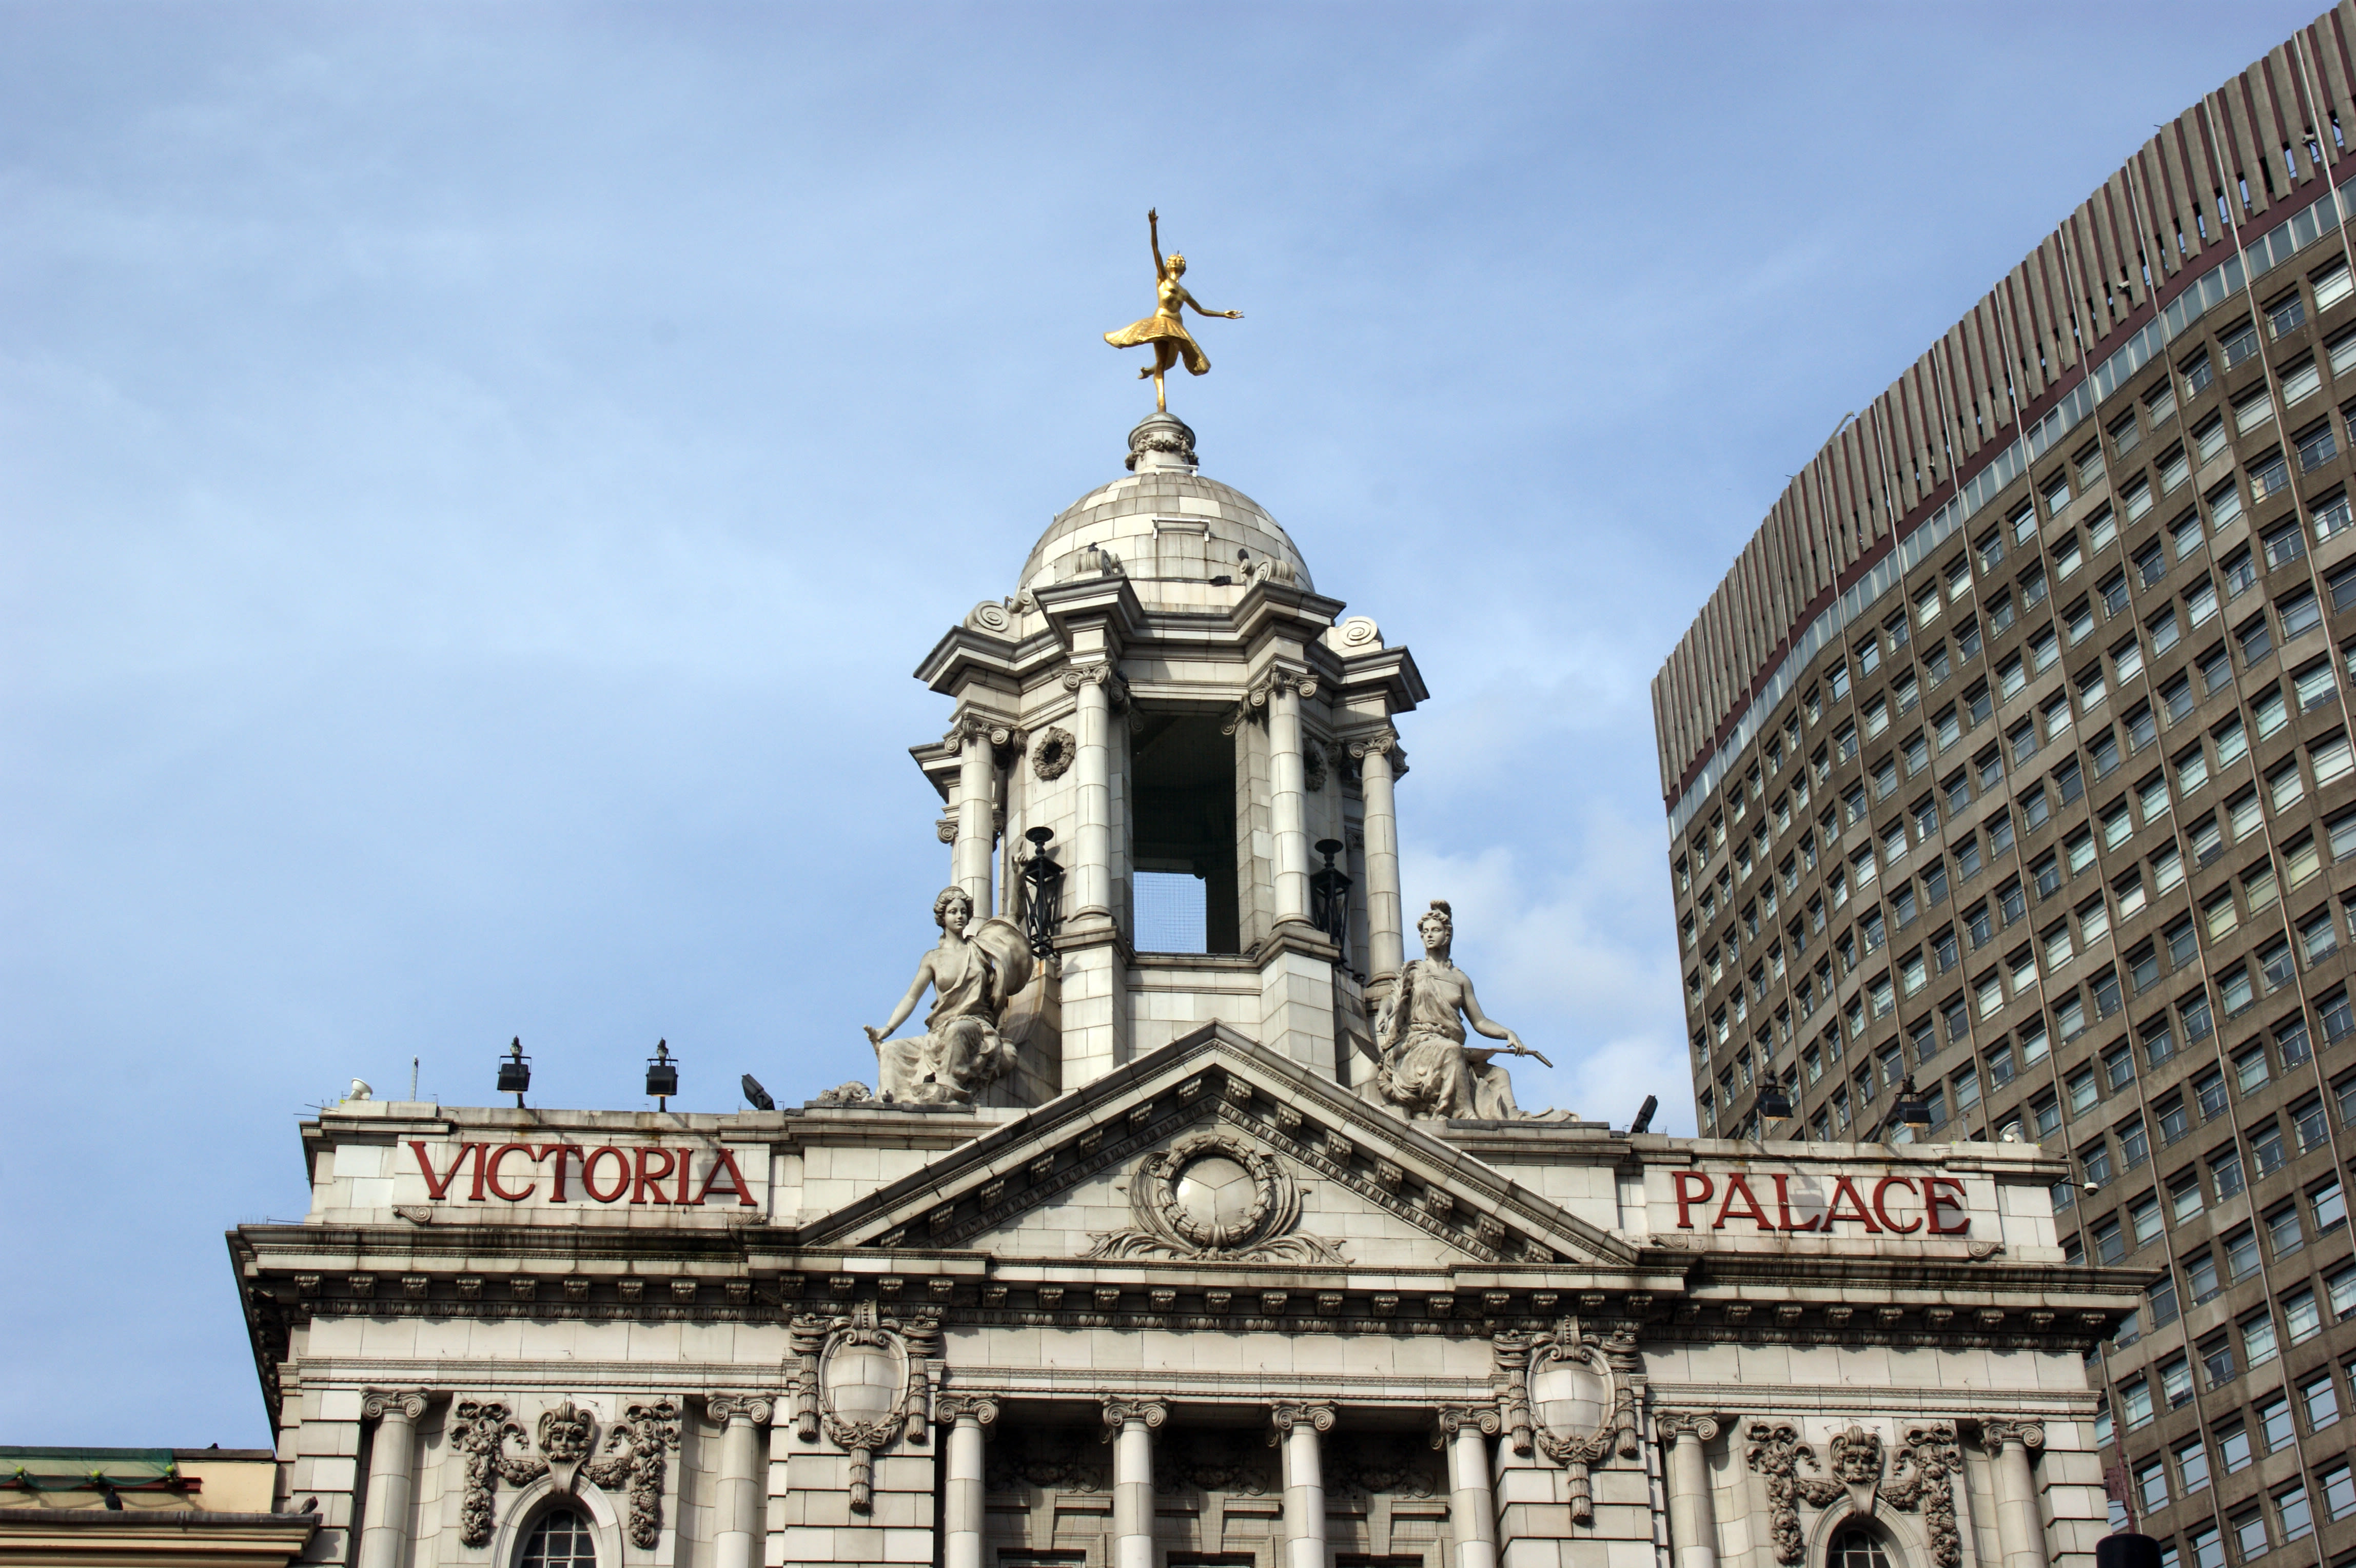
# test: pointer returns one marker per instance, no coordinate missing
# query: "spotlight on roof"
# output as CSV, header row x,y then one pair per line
x,y
1910,1110
662,1075
1644,1121
1773,1103
755,1096
514,1072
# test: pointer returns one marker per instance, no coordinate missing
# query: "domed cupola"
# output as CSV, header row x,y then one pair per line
x,y
1185,542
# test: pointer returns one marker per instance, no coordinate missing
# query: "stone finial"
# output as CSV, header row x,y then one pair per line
x,y
1161,442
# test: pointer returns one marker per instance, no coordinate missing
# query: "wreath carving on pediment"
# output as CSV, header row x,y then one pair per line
x,y
1214,1195
1917,1478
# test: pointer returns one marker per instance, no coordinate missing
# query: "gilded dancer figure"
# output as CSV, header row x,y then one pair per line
x,y
1165,328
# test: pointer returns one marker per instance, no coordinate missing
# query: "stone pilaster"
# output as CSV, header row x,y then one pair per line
x,y
1294,1429
1464,1430
393,1475
1386,937
1129,1423
738,1523
961,1520
2019,1523
1693,1521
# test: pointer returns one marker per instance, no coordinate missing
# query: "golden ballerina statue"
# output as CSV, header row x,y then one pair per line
x,y
1165,328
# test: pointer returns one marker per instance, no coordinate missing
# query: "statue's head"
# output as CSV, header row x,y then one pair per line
x,y
1177,263
957,899
1439,929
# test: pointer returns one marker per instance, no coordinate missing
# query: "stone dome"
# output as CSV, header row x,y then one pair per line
x,y
1170,529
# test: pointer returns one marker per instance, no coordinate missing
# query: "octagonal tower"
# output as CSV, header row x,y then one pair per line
x,y
1166,695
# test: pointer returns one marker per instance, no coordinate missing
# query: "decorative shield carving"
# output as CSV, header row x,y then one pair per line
x,y
861,1380
1568,1395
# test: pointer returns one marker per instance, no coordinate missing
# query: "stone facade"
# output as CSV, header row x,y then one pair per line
x,y
1183,1287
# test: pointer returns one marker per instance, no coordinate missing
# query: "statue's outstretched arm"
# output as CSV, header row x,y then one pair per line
x,y
1482,1022
1201,309
907,1003
1153,238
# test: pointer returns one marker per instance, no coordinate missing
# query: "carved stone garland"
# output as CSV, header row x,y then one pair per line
x,y
635,1446
1520,1357
1053,757
1921,1480
819,1341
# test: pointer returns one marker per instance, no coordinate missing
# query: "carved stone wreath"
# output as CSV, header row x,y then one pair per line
x,y
1166,1227
1053,757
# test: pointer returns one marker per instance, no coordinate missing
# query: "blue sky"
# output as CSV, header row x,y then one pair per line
x,y
474,481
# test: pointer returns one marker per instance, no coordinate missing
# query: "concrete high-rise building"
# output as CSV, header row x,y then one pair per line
x,y
2012,758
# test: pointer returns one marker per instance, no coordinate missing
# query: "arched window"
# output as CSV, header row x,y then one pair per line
x,y
561,1540
1856,1547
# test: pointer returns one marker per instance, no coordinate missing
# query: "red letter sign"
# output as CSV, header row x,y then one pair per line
x,y
1880,1195
1687,1198
434,1189
1935,1200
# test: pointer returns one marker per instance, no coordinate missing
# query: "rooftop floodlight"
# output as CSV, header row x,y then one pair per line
x,y
755,1096
1910,1110
662,1075
1773,1103
1644,1121
514,1072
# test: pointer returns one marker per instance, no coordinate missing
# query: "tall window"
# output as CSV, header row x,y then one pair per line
x,y
561,1540
1856,1547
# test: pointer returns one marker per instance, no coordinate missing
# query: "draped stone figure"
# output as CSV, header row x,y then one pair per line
x,y
1424,1068
972,978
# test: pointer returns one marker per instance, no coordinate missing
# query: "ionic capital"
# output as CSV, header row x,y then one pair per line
x,y
1275,681
1673,1424
1997,1431
1284,1417
1095,672
1120,1413
979,1409
405,1404
1450,1419
1382,740
754,1408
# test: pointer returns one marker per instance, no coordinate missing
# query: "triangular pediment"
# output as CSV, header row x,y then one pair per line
x,y
1315,1175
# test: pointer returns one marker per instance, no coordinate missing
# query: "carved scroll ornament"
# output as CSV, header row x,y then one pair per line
x,y
1919,1479
487,1435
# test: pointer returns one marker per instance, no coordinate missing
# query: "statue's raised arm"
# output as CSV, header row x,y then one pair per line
x,y
1165,330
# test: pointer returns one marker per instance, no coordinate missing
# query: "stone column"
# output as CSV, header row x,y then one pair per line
x,y
1693,1521
961,1522
1296,1427
1385,949
739,1526
1129,1423
1464,1431
1092,772
392,1481
976,831
2019,1523
1288,795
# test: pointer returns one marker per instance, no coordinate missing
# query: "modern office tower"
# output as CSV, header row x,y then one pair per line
x,y
2011,762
